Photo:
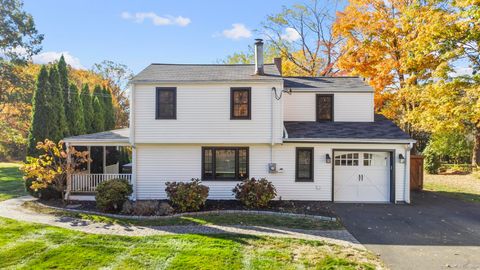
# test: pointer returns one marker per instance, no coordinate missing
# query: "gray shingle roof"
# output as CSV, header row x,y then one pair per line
x,y
116,135
207,72
381,128
328,83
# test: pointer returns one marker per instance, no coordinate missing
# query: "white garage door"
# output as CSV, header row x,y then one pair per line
x,y
361,176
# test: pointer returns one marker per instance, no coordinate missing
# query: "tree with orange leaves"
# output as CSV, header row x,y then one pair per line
x,y
396,44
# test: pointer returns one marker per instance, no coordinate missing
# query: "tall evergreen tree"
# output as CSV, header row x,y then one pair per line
x,y
75,113
86,99
63,77
57,120
38,129
98,93
109,110
98,119
65,89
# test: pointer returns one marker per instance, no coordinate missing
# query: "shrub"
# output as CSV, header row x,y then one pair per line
x,y
147,208
112,194
255,193
187,196
431,162
48,193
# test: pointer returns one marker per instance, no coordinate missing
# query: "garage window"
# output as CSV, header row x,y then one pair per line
x,y
367,159
350,159
304,164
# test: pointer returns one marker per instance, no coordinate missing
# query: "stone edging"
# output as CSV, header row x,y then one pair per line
x,y
272,213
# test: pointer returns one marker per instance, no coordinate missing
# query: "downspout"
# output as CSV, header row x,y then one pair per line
x,y
406,177
271,125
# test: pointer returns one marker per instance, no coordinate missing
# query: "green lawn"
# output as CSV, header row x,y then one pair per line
x,y
26,246
463,187
11,183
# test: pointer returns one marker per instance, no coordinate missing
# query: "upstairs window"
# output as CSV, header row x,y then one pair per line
x,y
166,103
224,163
324,107
240,103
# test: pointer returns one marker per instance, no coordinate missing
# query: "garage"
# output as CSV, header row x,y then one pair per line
x,y
362,176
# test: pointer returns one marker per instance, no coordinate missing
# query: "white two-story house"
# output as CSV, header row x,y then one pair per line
x,y
314,138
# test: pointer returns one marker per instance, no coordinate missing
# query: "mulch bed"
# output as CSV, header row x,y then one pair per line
x,y
296,207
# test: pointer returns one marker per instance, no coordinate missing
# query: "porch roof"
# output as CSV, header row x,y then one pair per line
x,y
111,137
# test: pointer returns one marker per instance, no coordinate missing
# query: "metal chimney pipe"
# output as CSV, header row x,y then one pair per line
x,y
259,57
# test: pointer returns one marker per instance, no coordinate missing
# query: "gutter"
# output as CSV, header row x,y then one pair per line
x,y
348,140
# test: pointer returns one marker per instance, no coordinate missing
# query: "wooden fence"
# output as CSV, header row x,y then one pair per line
x,y
416,172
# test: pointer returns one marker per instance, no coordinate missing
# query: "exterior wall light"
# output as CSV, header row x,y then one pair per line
x,y
328,159
401,158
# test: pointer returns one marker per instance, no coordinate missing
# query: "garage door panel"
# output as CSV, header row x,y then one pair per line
x,y
362,176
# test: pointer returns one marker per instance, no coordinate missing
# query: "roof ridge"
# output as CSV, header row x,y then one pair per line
x,y
321,77
173,64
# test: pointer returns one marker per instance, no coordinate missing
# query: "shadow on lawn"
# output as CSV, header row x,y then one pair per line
x,y
468,197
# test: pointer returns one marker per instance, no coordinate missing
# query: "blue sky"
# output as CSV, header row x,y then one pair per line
x,y
137,33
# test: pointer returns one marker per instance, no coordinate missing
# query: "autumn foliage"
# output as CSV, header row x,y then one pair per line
x,y
51,167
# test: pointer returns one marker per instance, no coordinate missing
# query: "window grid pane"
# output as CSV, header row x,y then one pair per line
x,y
304,164
225,163
166,103
324,108
240,103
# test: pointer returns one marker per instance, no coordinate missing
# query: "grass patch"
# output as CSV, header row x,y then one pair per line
x,y
27,246
11,182
463,187
207,219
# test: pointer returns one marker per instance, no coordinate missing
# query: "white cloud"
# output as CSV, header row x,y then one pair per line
x,y
237,31
157,20
461,71
48,57
290,34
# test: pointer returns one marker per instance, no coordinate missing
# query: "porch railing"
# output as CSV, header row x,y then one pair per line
x,y
89,182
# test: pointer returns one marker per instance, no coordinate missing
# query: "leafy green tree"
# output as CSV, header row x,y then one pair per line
x,y
75,113
87,105
17,31
109,110
57,121
118,76
39,130
19,40
98,119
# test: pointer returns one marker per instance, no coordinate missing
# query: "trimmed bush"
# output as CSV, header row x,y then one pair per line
x,y
147,208
48,193
255,193
112,194
187,196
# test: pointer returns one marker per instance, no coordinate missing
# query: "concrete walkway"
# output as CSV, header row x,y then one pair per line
x,y
14,209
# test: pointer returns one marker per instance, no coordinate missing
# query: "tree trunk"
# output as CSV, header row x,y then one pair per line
x,y
476,149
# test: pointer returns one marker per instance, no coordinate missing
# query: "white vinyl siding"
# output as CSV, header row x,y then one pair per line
x,y
348,107
159,163
203,115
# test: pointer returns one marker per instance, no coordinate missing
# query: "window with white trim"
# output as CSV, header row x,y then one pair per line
x,y
349,159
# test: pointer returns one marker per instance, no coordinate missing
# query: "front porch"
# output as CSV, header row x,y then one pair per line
x,y
110,158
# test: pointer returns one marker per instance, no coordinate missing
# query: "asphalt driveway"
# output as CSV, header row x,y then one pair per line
x,y
433,232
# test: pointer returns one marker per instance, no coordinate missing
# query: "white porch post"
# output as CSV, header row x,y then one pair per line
x,y
104,159
89,159
69,176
